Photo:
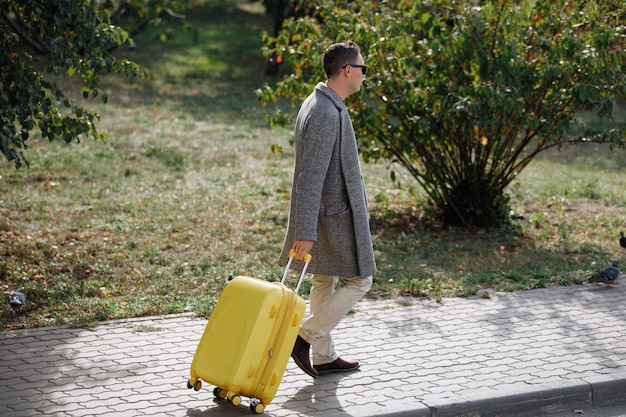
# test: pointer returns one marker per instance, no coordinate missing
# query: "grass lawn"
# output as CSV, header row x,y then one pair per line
x,y
187,191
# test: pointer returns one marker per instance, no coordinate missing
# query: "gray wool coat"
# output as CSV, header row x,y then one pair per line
x,y
328,202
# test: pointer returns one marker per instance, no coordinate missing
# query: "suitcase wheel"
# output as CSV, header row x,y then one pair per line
x,y
235,400
219,393
196,385
257,407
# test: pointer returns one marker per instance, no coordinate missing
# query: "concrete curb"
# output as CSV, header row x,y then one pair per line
x,y
534,399
508,401
608,390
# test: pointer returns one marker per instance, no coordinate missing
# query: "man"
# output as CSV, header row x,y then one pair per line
x,y
328,212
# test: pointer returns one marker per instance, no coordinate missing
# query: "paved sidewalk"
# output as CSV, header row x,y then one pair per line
x,y
524,353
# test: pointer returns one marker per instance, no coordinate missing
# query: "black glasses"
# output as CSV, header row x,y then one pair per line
x,y
363,67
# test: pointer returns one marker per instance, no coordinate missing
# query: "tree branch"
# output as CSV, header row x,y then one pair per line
x,y
17,28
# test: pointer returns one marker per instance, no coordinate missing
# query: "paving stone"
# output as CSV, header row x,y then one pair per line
x,y
418,357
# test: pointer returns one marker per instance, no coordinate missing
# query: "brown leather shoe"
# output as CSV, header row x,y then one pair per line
x,y
300,355
337,366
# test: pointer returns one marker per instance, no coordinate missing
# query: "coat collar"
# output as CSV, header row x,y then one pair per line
x,y
327,91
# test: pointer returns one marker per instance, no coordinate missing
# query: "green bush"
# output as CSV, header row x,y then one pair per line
x,y
465,96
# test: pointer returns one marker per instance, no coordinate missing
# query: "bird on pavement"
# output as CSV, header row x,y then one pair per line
x,y
17,300
607,275
622,240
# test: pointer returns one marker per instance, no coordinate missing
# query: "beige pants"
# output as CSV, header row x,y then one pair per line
x,y
329,305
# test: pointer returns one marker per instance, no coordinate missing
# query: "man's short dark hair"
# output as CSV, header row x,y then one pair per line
x,y
338,55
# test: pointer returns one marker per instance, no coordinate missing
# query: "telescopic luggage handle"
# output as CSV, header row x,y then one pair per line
x,y
307,259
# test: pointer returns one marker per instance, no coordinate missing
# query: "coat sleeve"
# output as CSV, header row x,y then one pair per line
x,y
318,138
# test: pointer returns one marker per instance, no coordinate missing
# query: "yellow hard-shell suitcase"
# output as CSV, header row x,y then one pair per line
x,y
248,340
